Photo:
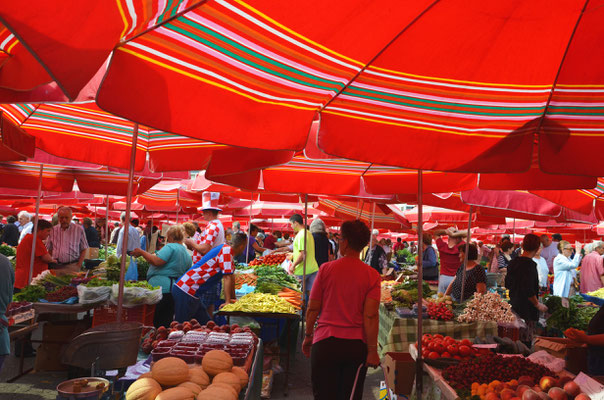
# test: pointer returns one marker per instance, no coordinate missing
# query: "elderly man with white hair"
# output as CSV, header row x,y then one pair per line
x,y
134,242
376,256
592,269
67,242
25,224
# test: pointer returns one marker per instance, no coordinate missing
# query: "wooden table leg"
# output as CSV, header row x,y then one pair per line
x,y
288,328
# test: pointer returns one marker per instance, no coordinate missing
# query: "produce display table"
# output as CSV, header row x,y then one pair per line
x,y
54,308
289,320
396,334
595,300
20,332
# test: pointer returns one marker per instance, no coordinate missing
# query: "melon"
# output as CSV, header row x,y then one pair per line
x,y
198,375
224,386
146,375
176,393
170,371
216,361
195,388
229,378
217,393
243,377
143,389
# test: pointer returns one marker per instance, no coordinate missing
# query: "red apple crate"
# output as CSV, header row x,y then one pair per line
x,y
108,313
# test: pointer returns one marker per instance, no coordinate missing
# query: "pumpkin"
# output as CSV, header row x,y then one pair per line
x,y
229,378
197,375
176,393
243,377
216,361
170,371
195,388
143,389
217,392
225,386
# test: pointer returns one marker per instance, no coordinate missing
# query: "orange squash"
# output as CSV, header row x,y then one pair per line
x,y
170,371
229,378
216,361
243,377
143,389
226,386
197,375
217,393
195,388
176,393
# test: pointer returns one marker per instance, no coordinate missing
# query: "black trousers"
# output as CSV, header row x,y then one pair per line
x,y
334,365
164,311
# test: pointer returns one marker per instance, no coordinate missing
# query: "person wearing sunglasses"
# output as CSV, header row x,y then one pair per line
x,y
565,268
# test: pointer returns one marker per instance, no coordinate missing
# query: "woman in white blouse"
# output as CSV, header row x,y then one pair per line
x,y
565,268
542,268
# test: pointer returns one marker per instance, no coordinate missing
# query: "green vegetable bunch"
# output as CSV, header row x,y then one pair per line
x,y
96,282
7,250
277,275
31,293
142,266
572,316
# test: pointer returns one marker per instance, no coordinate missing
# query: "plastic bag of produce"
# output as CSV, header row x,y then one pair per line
x,y
91,295
136,296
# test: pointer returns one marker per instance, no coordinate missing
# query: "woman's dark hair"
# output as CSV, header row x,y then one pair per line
x,y
297,218
356,233
44,224
11,219
253,228
505,246
472,251
426,239
531,242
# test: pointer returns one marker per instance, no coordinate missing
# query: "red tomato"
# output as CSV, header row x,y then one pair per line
x,y
439,348
464,351
466,342
448,338
433,355
427,336
446,355
438,336
431,346
457,357
452,348
425,353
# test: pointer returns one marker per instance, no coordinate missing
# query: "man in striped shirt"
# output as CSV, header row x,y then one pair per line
x,y
188,292
67,242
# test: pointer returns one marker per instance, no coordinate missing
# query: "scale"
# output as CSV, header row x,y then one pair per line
x,y
91,388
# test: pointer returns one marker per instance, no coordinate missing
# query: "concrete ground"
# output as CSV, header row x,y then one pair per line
x,y
41,385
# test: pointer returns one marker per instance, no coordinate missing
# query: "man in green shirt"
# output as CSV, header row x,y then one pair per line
x,y
297,267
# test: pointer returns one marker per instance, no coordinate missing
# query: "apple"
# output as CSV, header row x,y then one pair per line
x,y
582,396
563,379
521,389
572,389
507,394
544,396
526,380
547,382
537,389
530,395
491,396
557,394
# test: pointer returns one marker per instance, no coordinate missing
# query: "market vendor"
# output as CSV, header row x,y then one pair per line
x,y
522,280
7,279
302,254
449,256
166,266
592,269
67,243
189,289
214,233
475,276
594,338
41,257
429,259
134,242
249,252
565,268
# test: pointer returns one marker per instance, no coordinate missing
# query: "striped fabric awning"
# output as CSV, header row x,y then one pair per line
x,y
445,85
384,216
585,201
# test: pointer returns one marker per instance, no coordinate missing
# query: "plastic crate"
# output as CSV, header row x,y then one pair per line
x,y
508,332
108,313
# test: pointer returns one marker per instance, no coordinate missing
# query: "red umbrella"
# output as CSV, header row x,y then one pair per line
x,y
466,78
382,215
585,200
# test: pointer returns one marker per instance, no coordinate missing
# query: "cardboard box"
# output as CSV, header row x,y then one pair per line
x,y
573,353
400,372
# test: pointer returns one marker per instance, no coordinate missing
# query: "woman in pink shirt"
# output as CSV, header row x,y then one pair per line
x,y
592,269
346,294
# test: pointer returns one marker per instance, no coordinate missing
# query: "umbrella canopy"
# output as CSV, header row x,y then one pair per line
x,y
383,215
585,200
269,69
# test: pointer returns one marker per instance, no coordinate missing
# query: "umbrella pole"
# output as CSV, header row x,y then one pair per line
x,y
514,232
177,204
249,232
372,217
35,226
106,226
420,285
126,227
304,262
463,279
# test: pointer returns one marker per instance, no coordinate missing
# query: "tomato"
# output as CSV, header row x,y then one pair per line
x,y
425,353
453,349
427,336
457,357
439,348
446,355
466,342
448,338
438,336
433,355
432,346
464,351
